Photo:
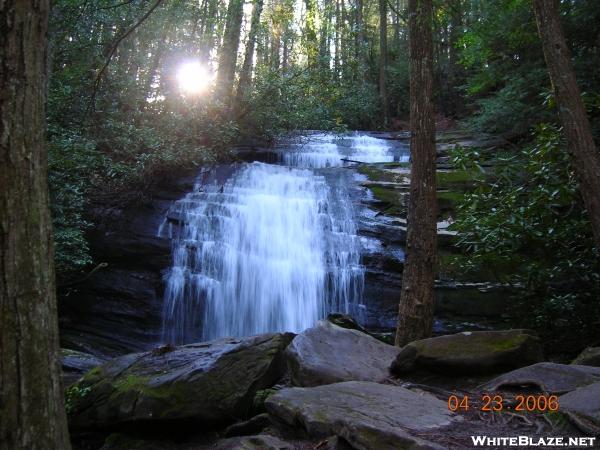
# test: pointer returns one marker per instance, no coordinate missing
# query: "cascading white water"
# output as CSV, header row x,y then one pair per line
x,y
274,249
328,151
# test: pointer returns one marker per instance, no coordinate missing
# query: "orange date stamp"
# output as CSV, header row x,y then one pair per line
x,y
497,403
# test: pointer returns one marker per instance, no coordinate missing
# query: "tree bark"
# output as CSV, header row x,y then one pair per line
x,y
207,42
246,72
360,40
576,126
228,54
32,412
454,68
338,34
311,45
415,319
383,59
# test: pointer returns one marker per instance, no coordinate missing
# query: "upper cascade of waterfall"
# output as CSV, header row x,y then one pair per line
x,y
273,249
329,150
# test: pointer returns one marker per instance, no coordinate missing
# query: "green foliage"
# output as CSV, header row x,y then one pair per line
x,y
399,86
304,99
73,168
506,68
507,73
108,144
530,229
73,395
514,107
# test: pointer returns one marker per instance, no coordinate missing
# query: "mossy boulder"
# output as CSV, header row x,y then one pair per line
x,y
367,415
589,357
211,382
328,354
470,352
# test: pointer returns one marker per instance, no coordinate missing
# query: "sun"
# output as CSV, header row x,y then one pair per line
x,y
193,78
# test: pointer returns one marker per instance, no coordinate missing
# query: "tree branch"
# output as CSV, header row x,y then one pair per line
x,y
114,49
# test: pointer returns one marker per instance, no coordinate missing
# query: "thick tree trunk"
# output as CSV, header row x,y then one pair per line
x,y
383,59
415,318
576,126
32,413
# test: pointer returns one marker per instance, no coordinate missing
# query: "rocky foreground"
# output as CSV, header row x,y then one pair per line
x,y
328,388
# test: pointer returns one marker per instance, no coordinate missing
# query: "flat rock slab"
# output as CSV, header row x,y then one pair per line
x,y
589,357
258,442
369,416
214,382
547,377
328,354
470,352
583,407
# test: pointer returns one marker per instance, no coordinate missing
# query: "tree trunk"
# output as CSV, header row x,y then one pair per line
x,y
338,33
207,41
228,55
360,40
325,37
32,411
576,126
415,318
246,72
383,59
454,68
310,33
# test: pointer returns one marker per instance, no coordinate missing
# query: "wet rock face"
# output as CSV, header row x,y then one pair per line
x,y
213,382
76,364
328,354
367,415
470,352
118,309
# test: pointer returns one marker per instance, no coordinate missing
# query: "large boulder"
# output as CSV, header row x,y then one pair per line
x,y
76,364
367,415
583,407
589,357
546,377
470,352
212,382
328,354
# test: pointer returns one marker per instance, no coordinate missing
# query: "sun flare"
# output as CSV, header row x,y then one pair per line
x,y
193,78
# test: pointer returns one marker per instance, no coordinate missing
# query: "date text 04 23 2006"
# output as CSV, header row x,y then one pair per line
x,y
491,402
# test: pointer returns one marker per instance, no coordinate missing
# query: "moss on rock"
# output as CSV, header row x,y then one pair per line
x,y
471,352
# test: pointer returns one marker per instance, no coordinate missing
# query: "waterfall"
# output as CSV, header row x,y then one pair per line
x,y
273,249
328,151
